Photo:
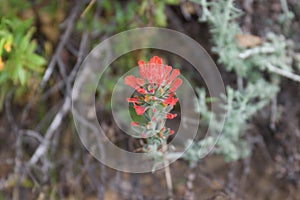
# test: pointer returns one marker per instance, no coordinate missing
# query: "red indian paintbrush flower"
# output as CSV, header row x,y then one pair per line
x,y
155,94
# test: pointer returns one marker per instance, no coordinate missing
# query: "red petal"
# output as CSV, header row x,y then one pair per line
x,y
160,74
151,91
141,62
155,60
171,101
141,90
173,75
175,84
171,116
143,71
132,100
140,81
166,72
139,110
131,81
134,124
150,72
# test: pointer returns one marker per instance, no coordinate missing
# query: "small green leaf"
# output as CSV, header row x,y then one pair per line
x,y
35,62
22,76
143,7
2,41
160,16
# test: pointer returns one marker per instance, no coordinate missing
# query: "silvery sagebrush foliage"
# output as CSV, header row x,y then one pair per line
x,y
249,64
240,107
221,16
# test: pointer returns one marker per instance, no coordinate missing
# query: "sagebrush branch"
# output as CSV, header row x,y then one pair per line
x,y
282,72
256,50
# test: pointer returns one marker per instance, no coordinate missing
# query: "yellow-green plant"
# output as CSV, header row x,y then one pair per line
x,y
19,61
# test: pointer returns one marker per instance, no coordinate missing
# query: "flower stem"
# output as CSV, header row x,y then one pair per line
x,y
167,173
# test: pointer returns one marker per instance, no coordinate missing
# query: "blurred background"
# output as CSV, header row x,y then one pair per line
x,y
255,45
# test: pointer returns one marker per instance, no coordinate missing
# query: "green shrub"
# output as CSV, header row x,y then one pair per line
x,y
18,61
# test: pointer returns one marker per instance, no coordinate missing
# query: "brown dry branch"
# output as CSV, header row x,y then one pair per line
x,y
69,23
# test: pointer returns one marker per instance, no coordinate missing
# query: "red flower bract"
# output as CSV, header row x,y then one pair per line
x,y
134,124
133,100
172,132
175,84
171,116
139,110
141,90
133,81
155,72
170,101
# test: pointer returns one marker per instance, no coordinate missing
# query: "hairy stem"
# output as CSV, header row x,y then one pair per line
x,y
167,173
